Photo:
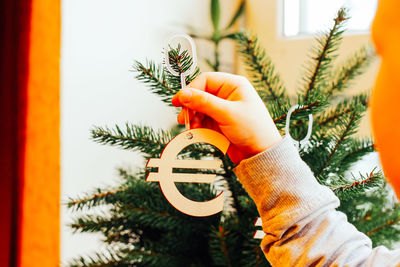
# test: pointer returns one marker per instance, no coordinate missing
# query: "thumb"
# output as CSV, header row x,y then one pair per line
x,y
206,103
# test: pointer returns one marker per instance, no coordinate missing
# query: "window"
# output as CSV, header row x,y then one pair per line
x,y
312,16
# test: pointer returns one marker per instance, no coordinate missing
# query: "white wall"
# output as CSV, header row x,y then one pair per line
x,y
100,41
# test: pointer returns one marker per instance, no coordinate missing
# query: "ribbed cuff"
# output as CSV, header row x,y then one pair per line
x,y
280,182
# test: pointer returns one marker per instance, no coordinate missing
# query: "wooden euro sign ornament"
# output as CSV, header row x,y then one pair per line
x,y
167,178
168,160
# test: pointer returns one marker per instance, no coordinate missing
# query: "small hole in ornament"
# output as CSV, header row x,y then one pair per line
x,y
189,136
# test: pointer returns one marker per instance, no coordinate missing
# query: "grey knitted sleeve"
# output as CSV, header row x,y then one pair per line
x,y
299,218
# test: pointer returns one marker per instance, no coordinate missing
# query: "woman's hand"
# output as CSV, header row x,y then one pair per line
x,y
229,104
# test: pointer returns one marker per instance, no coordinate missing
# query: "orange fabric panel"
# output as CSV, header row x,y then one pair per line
x,y
386,95
40,218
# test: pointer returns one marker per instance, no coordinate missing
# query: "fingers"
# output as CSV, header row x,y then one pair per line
x,y
196,122
192,116
235,154
223,85
206,103
175,100
219,83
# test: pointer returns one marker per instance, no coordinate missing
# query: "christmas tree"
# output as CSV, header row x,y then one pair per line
x,y
142,229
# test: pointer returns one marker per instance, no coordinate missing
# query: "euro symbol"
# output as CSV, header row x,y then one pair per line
x,y
168,161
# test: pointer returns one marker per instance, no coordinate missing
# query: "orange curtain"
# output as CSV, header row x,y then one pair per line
x,y
41,189
29,140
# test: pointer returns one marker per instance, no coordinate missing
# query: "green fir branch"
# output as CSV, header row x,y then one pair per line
x,y
146,140
136,221
355,150
329,119
222,236
135,137
90,223
128,257
162,219
351,69
134,189
221,247
381,225
341,186
234,186
143,258
98,260
301,110
346,128
300,113
326,46
180,61
262,71
387,224
91,200
155,77
159,80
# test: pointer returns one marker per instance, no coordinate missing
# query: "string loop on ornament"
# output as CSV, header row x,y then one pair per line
x,y
309,130
194,56
184,74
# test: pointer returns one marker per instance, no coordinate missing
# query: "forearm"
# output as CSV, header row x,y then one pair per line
x,y
299,218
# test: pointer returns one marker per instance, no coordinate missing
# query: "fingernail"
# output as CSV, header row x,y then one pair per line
x,y
186,94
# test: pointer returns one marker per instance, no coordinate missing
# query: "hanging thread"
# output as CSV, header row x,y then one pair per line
x,y
185,74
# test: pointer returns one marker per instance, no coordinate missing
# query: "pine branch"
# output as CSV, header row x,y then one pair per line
x,y
327,45
341,187
129,257
262,71
361,147
133,188
155,77
222,249
91,200
351,69
96,223
146,140
98,260
134,220
356,149
347,129
301,112
142,257
365,205
159,80
221,234
378,215
329,119
234,185
163,219
387,224
252,252
180,61
141,138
